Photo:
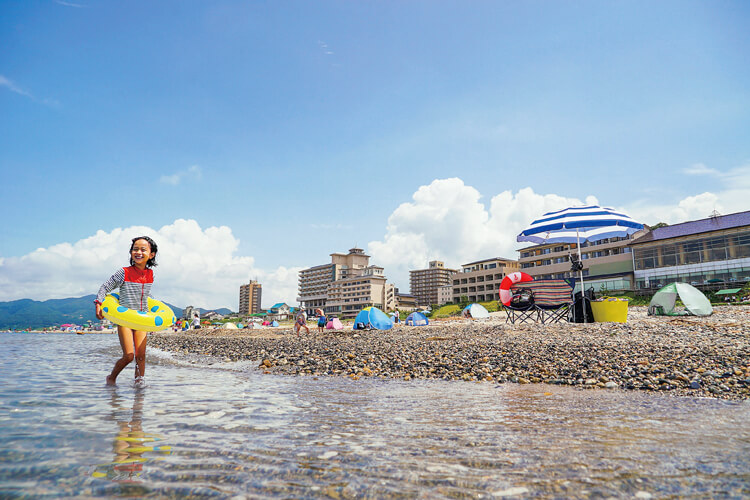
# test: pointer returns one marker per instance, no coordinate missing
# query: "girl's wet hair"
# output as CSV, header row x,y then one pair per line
x,y
152,261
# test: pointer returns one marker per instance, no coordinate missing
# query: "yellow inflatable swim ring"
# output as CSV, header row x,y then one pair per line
x,y
158,317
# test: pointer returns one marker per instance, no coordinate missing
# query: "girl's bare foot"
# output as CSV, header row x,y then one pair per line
x,y
110,380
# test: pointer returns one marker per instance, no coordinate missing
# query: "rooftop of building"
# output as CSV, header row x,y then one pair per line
x,y
707,225
493,259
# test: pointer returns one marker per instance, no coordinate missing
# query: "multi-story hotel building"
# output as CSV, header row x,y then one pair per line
x,y
250,296
607,263
709,253
346,285
346,297
424,283
480,281
314,281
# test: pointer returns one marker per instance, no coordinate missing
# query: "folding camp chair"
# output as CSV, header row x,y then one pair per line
x,y
552,299
524,314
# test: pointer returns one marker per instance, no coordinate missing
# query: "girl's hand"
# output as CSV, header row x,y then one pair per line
x,y
99,313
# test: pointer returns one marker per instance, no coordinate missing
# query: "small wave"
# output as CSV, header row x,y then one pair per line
x,y
161,357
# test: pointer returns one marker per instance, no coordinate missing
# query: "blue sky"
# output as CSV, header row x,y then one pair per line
x,y
255,138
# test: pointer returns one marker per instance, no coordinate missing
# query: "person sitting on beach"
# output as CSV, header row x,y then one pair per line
x,y
301,322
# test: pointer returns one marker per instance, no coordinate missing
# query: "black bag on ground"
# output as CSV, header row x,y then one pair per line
x,y
577,316
522,299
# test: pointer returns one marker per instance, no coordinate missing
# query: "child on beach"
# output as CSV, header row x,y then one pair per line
x,y
134,283
301,322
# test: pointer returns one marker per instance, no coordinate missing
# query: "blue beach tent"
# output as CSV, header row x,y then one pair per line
x,y
475,311
372,317
417,319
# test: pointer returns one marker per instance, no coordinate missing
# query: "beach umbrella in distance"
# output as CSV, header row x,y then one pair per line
x,y
577,225
508,282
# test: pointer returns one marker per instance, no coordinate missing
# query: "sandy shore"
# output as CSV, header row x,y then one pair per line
x,y
693,356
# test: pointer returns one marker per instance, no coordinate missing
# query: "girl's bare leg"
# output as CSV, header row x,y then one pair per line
x,y
140,339
126,343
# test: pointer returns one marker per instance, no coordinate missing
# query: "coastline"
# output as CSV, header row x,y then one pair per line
x,y
686,356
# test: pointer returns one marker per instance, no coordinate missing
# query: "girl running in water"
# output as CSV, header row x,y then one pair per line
x,y
134,283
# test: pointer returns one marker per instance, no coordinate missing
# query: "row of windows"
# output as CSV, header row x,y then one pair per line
x,y
714,249
733,278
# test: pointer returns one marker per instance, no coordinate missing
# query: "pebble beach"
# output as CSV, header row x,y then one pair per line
x,y
684,356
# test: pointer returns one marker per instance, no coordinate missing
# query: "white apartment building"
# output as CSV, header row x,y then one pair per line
x,y
480,281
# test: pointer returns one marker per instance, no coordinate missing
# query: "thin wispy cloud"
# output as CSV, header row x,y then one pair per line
x,y
324,47
192,173
69,4
10,85
700,169
5,82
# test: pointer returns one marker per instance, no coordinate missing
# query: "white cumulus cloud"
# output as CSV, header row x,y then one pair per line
x,y
446,220
196,266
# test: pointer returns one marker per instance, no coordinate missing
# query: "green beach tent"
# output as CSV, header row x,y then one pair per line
x,y
663,302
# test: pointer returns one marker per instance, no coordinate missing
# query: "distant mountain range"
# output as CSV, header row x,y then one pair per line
x,y
27,313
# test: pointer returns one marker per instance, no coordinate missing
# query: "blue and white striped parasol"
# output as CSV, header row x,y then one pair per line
x,y
576,224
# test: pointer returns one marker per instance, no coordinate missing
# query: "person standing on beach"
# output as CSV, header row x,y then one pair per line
x,y
321,323
301,322
134,283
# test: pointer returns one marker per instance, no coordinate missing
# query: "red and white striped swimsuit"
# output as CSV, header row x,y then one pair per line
x,y
134,284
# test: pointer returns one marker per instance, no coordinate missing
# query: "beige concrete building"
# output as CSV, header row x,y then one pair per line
x,y
250,296
480,281
405,301
346,297
346,285
424,283
445,294
607,263
314,281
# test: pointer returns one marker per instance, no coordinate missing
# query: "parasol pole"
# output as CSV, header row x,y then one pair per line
x,y
583,293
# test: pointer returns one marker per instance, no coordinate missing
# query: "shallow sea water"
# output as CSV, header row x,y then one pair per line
x,y
226,431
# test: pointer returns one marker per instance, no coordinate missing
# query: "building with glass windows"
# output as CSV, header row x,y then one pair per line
x,y
709,253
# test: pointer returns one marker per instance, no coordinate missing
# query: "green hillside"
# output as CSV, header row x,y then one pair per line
x,y
27,313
